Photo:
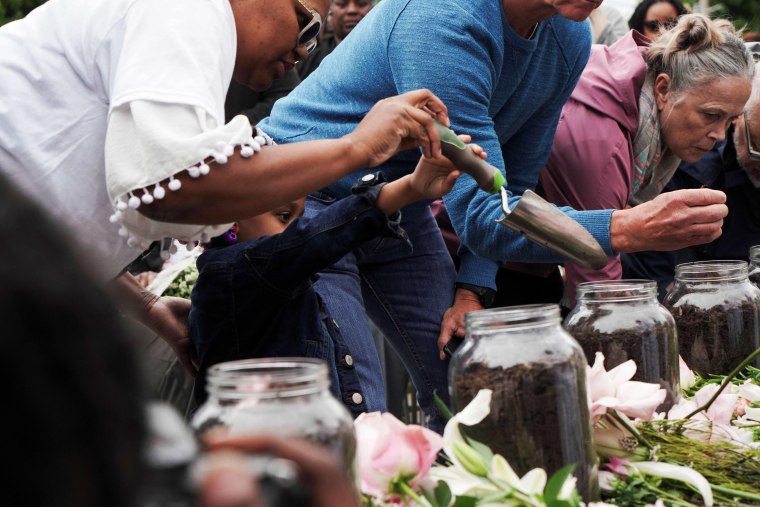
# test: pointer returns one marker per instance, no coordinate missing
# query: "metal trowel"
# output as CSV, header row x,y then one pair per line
x,y
542,222
534,217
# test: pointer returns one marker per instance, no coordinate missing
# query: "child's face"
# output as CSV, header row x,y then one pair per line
x,y
270,223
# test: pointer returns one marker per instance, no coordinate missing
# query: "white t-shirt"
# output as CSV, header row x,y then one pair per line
x,y
134,86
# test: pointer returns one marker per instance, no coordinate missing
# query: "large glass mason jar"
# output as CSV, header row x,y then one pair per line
x,y
717,312
623,320
754,265
539,408
279,396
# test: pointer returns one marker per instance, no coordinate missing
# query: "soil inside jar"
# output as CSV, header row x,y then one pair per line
x,y
538,417
717,339
649,344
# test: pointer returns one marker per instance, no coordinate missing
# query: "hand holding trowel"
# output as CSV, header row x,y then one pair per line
x,y
537,219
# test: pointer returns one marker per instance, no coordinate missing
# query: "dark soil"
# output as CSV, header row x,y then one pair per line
x,y
539,416
651,345
717,339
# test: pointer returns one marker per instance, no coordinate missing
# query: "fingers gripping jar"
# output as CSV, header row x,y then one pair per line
x,y
539,414
717,313
623,320
283,397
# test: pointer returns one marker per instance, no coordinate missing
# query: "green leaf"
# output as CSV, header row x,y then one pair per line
x,y
442,407
465,501
440,496
554,485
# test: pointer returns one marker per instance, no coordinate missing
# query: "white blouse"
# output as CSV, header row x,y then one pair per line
x,y
100,100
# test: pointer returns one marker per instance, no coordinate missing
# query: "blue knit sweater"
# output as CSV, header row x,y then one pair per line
x,y
505,91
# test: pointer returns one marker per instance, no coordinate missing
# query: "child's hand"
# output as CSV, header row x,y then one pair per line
x,y
434,177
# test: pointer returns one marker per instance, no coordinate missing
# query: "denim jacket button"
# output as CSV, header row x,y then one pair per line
x,y
348,360
357,398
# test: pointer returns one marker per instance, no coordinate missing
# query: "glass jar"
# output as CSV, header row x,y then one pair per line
x,y
754,265
539,409
280,396
623,320
717,312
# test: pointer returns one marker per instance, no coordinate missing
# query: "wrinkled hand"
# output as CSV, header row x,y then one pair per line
x,y
400,123
453,320
434,177
326,481
167,317
670,221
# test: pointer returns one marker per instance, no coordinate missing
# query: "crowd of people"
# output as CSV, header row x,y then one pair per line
x,y
300,148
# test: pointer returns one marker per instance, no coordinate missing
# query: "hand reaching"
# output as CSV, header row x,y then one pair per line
x,y
167,317
400,123
453,320
670,221
434,177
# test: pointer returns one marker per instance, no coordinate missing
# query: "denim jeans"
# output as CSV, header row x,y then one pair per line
x,y
405,290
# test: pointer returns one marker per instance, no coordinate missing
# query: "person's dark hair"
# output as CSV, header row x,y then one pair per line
x,y
640,13
72,420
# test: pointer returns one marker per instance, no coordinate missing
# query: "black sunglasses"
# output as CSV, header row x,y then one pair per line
x,y
307,37
753,153
655,25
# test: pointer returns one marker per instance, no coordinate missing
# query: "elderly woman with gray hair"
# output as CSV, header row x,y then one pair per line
x,y
639,109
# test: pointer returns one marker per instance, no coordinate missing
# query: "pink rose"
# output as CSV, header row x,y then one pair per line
x,y
614,389
390,451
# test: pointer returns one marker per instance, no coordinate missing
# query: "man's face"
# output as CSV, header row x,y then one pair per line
x,y
346,14
746,143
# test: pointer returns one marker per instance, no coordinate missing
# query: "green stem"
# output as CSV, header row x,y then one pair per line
x,y
733,492
413,494
632,430
725,383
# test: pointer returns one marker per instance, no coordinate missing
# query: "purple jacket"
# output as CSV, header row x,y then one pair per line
x,y
591,162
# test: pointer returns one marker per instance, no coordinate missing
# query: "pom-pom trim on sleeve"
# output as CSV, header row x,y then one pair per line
x,y
134,199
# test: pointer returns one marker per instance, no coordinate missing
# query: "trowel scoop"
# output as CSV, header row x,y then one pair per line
x,y
533,217
541,222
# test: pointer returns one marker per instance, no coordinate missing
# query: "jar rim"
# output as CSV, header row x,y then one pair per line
x,y
267,377
513,317
754,253
719,270
611,291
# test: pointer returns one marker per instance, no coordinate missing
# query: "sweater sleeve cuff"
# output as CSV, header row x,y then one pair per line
x,y
476,270
597,222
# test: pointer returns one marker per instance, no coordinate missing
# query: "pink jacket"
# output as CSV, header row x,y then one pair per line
x,y
591,162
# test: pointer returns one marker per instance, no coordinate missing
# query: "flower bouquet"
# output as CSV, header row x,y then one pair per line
x,y
397,466
704,451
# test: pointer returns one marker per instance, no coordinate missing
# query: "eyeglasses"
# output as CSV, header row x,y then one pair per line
x,y
656,25
307,37
753,153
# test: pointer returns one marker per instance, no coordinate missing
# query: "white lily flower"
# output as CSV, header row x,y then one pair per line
x,y
501,470
752,415
679,473
533,482
460,482
749,391
472,414
566,491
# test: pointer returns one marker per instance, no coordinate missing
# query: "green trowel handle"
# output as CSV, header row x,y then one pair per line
x,y
488,177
